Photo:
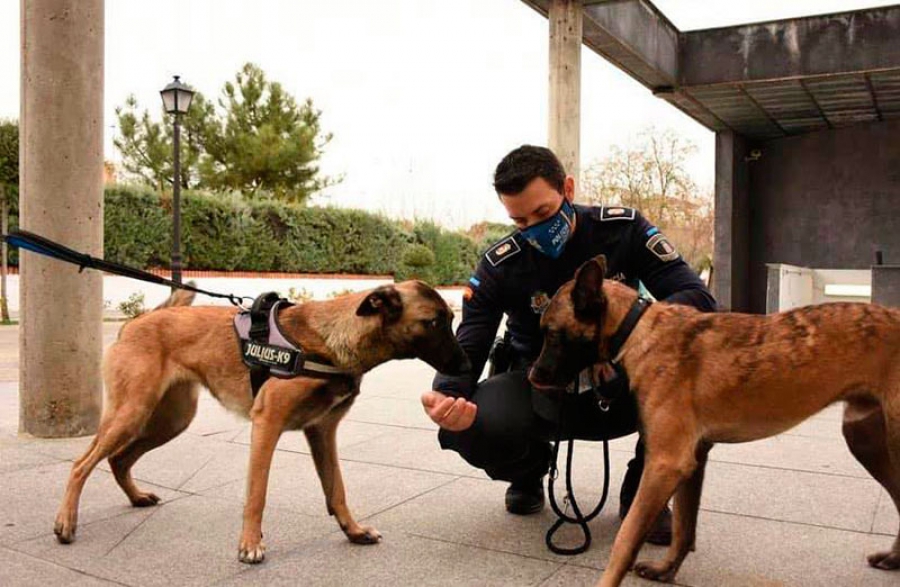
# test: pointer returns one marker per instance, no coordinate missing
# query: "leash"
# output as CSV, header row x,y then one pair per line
x,y
617,341
35,243
578,519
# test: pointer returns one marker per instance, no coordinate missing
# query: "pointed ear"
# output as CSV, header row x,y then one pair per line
x,y
384,300
588,298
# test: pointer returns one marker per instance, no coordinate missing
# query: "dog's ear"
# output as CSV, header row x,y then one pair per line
x,y
384,300
588,298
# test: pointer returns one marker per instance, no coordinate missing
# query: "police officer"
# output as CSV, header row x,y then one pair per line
x,y
500,425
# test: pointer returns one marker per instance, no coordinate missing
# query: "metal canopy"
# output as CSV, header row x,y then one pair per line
x,y
762,80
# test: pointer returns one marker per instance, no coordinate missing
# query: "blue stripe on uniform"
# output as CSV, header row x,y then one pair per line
x,y
652,231
474,281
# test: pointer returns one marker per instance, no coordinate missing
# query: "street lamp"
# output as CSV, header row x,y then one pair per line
x,y
176,99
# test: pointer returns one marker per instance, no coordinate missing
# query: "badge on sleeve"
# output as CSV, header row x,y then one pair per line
x,y
616,213
539,302
660,246
502,251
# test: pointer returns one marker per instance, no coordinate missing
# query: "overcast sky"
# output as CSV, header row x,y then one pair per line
x,y
423,96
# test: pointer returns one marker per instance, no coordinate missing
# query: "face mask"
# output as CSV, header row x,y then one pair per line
x,y
550,236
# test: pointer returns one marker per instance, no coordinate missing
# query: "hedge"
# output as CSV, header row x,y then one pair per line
x,y
227,232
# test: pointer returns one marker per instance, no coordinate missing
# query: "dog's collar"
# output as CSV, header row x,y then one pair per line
x,y
617,341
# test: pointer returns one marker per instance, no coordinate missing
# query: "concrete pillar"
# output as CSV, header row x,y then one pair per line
x,y
731,255
565,84
61,198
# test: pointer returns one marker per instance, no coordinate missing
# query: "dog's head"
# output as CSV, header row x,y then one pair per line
x,y
417,323
572,326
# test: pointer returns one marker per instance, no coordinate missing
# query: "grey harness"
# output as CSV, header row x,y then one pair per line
x,y
267,350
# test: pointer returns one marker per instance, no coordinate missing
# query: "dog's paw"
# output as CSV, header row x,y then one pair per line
x,y
252,554
64,528
145,499
364,535
661,571
886,561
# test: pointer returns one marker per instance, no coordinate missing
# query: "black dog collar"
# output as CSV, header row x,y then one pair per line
x,y
631,319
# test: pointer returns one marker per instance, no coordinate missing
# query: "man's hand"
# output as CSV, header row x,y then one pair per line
x,y
453,414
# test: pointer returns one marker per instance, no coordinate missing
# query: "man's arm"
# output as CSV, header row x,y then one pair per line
x,y
482,312
663,271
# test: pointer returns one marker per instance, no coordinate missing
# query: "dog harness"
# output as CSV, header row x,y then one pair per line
x,y
267,350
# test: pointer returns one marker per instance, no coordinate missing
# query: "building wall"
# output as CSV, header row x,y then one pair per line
x,y
827,200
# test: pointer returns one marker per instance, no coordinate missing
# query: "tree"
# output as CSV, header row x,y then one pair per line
x,y
258,141
651,176
265,142
146,145
9,182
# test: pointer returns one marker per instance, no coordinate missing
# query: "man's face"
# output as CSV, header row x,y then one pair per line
x,y
537,202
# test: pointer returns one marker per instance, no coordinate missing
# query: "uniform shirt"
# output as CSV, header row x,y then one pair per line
x,y
515,279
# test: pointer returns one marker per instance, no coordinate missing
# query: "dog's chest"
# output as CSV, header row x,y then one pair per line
x,y
337,393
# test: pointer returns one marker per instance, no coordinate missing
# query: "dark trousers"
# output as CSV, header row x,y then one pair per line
x,y
510,438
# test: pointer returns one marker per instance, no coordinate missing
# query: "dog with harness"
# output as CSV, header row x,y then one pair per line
x,y
283,366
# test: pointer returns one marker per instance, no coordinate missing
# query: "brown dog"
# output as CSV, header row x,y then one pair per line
x,y
706,378
154,371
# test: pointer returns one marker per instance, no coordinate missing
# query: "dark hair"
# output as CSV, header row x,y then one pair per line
x,y
522,165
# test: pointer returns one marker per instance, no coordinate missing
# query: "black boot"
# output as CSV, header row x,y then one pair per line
x,y
525,497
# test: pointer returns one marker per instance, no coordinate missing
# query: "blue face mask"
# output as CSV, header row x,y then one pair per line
x,y
551,235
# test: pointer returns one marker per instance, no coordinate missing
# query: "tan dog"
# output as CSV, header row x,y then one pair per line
x,y
706,378
154,372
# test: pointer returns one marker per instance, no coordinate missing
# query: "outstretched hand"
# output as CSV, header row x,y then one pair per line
x,y
453,414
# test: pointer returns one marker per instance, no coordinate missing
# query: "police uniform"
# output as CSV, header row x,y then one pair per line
x,y
509,437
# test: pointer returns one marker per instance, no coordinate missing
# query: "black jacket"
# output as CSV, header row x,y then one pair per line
x,y
513,278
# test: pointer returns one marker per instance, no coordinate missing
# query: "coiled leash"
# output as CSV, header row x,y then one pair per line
x,y
563,518
35,243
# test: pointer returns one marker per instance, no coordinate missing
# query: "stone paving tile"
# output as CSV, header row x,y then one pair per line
x,y
32,496
294,485
24,570
738,550
823,500
800,453
15,458
406,413
400,559
191,541
575,576
410,448
349,433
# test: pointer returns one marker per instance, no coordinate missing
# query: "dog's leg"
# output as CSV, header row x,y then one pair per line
x,y
687,506
172,415
267,428
872,439
670,461
117,430
323,445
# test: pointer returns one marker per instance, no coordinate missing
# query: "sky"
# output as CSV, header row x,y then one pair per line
x,y
423,97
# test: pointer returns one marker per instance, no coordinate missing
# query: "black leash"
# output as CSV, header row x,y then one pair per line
x,y
580,519
35,243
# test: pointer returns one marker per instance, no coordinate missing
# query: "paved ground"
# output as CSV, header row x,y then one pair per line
x,y
792,510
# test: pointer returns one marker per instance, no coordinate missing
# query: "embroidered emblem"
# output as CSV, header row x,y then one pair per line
x,y
502,251
539,302
660,246
607,214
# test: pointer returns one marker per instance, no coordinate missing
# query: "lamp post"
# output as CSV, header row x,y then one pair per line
x,y
176,99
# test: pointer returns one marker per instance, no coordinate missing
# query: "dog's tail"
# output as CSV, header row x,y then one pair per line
x,y
179,297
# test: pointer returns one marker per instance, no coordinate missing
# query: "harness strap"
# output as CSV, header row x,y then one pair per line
x,y
613,389
259,332
617,341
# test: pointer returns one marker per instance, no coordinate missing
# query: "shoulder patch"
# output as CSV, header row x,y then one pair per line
x,y
502,251
608,213
660,246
